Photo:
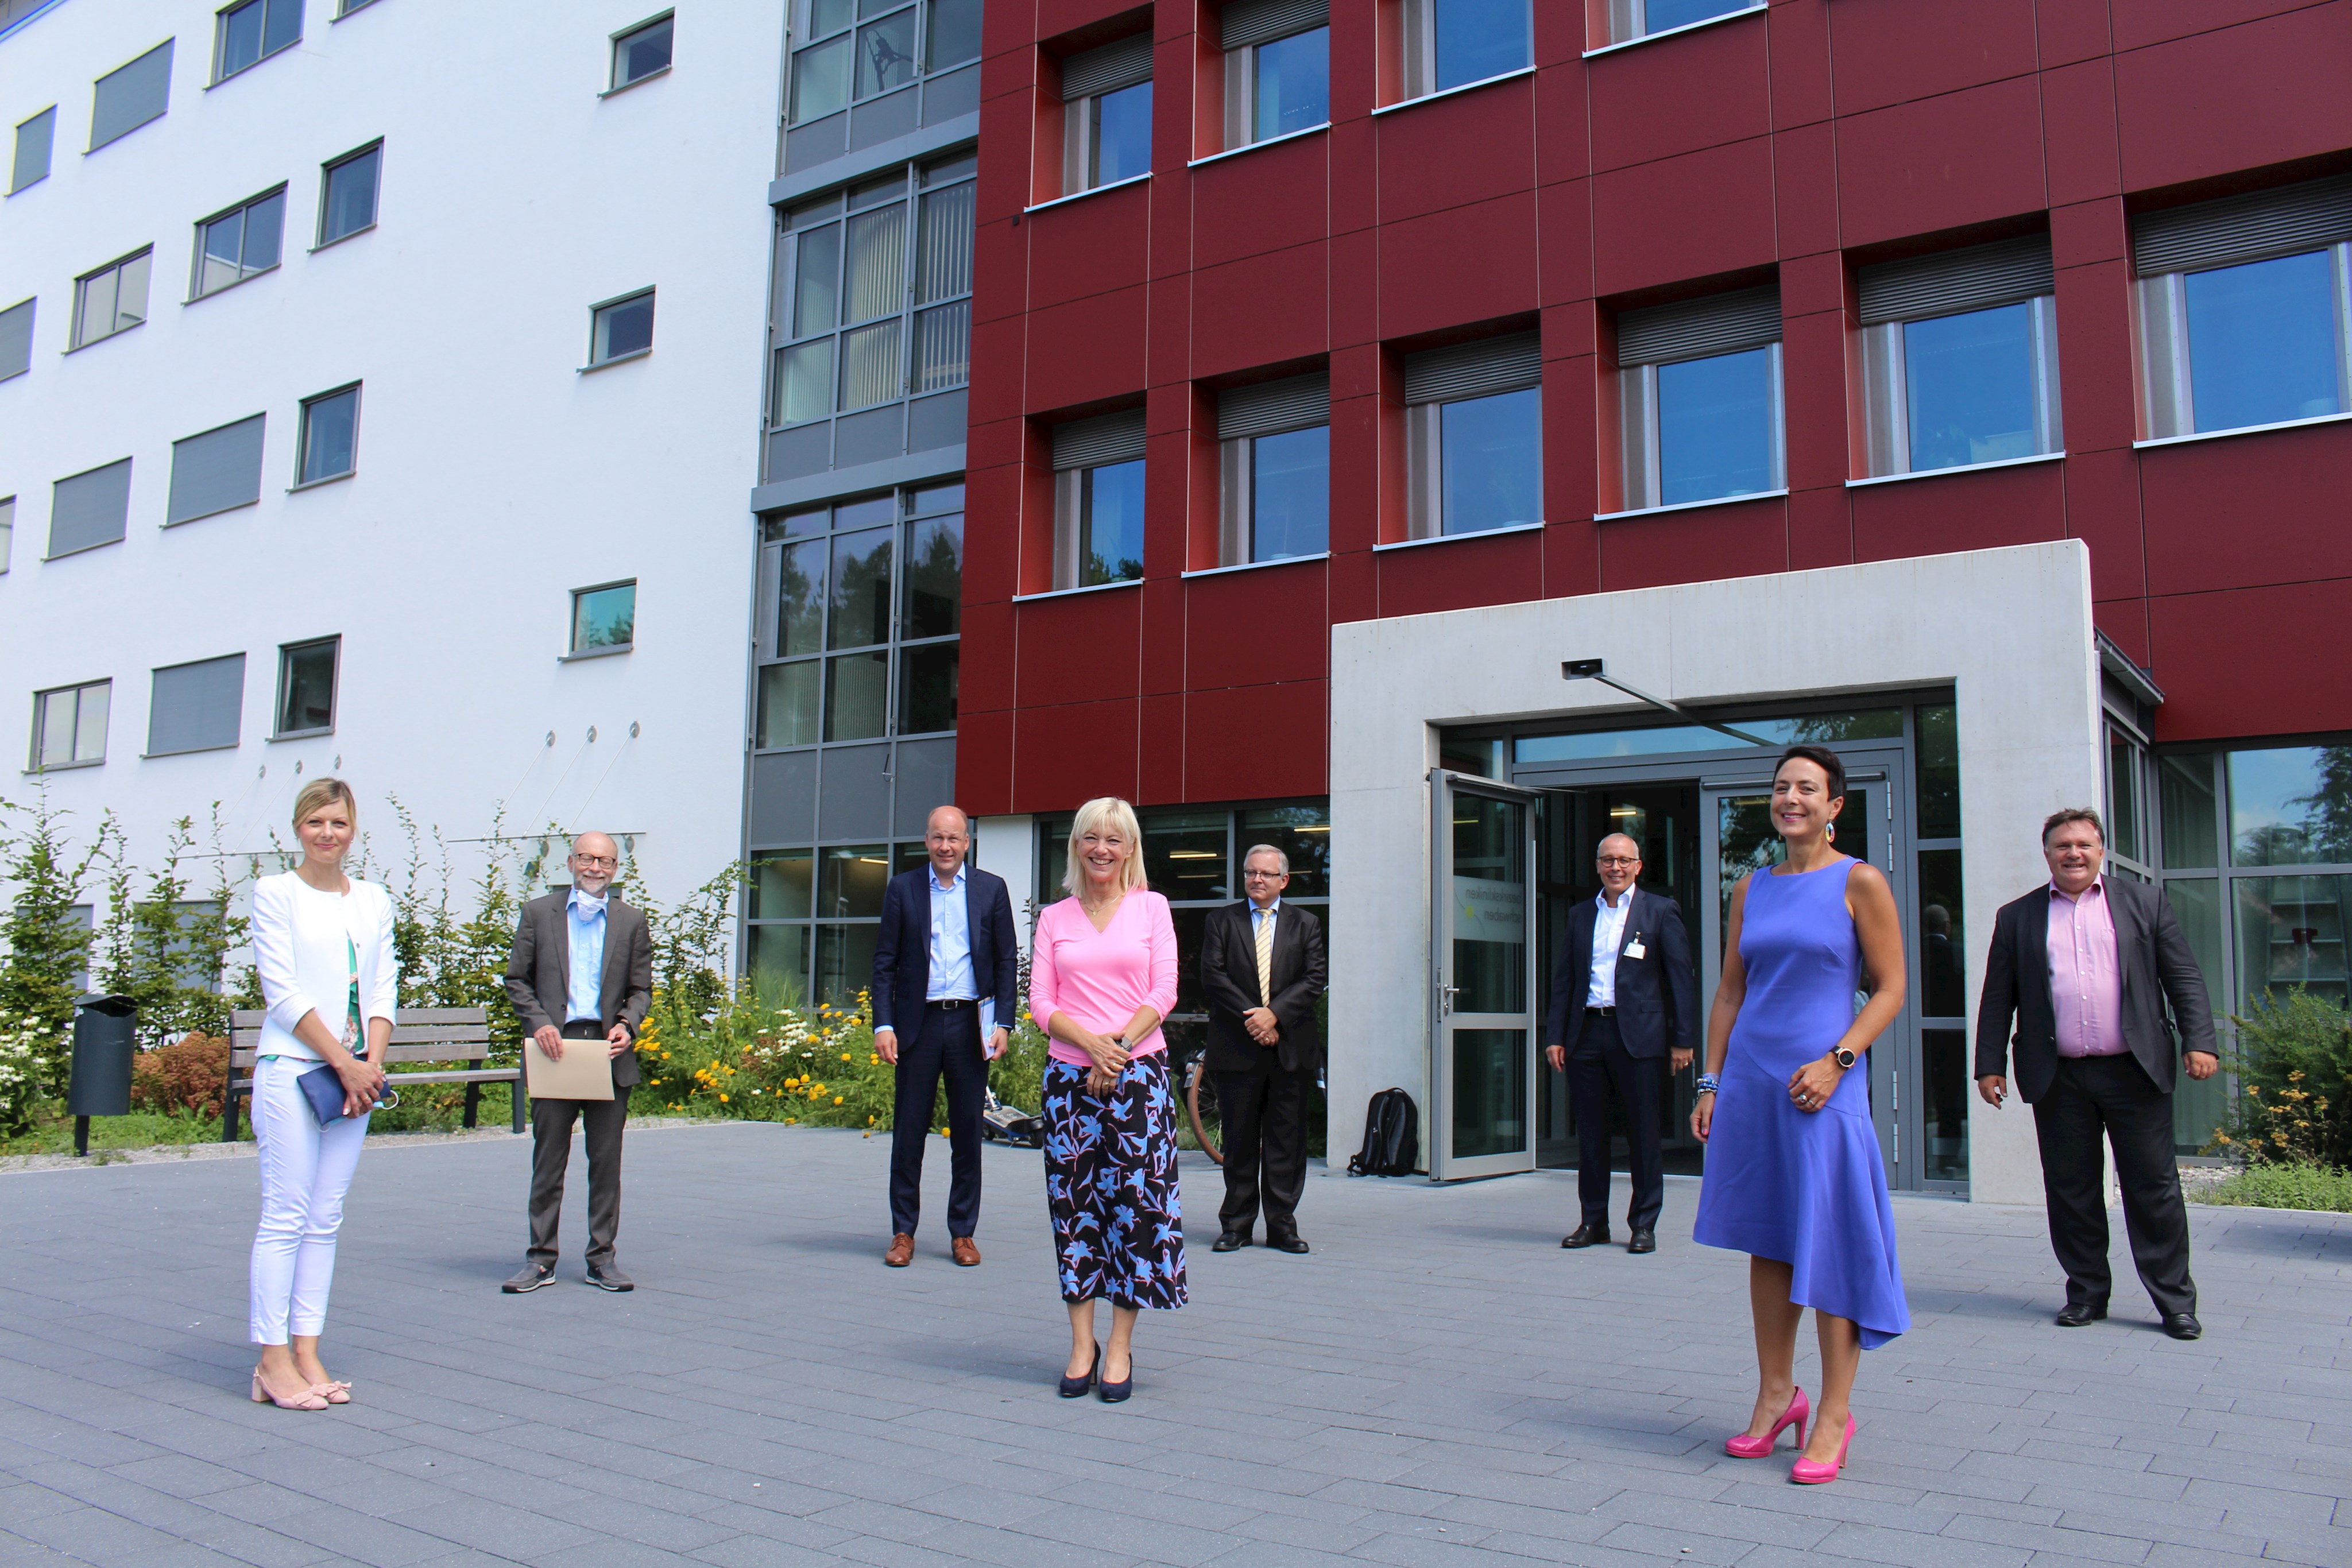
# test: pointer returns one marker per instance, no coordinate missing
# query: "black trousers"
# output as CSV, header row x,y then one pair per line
x,y
947,1040
2111,1096
1264,1120
1599,1066
550,1151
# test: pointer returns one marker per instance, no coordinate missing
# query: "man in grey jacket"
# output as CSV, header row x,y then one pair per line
x,y
581,979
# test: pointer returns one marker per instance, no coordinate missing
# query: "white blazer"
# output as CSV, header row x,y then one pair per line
x,y
299,937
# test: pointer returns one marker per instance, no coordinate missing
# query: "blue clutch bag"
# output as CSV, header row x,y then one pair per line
x,y
323,1087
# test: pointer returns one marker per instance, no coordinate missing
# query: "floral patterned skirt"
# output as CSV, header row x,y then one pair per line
x,y
1110,1186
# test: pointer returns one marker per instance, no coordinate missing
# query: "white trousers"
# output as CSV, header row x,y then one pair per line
x,y
305,1171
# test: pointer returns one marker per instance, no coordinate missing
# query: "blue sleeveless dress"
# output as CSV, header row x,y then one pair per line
x,y
1807,1188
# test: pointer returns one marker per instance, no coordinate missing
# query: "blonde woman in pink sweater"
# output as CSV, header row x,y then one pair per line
x,y
1102,976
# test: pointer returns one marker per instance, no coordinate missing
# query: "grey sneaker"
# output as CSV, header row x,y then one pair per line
x,y
530,1279
608,1277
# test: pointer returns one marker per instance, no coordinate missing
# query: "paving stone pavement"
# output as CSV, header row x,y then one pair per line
x,y
1437,1385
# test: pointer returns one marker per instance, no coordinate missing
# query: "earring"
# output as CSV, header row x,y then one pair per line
x,y
1830,833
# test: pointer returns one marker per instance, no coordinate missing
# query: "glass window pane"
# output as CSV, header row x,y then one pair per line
x,y
800,609
779,964
1943,935
2291,932
329,425
2123,797
875,281
1184,855
1971,387
943,269
1110,524
285,26
130,293
816,283
943,347
1290,494
624,328
827,17
223,245
1492,460
90,722
1945,1059
1716,428
857,695
2191,815
781,885
886,54
844,963
1477,40
1664,14
2261,342
854,878
1939,771
938,499
1490,870
265,228
821,81
788,704
1302,832
350,205
2199,1109
642,52
927,679
954,34
934,578
36,139
861,588
1123,134
2291,805
804,381
1294,83
306,687
93,307
604,618
240,38
870,371
57,728
870,512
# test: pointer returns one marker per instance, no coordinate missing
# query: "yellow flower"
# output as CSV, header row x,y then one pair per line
x,y
722,1099
874,1060
791,1082
844,1056
836,1099
869,1121
791,1121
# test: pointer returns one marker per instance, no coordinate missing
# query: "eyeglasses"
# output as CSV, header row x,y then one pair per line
x,y
1621,860
608,862
1264,875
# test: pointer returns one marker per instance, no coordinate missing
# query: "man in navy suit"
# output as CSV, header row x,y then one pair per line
x,y
945,972
1622,995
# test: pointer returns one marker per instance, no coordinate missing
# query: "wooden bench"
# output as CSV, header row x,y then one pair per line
x,y
423,1034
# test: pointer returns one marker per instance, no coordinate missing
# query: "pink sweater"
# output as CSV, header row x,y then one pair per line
x,y
1099,978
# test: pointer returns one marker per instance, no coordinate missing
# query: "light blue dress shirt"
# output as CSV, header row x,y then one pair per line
x,y
585,997
951,977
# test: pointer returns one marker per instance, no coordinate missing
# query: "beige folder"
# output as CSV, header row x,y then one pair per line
x,y
585,1072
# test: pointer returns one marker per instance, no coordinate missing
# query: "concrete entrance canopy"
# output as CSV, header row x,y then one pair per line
x,y
2009,630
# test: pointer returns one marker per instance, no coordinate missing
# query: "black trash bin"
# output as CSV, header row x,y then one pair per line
x,y
105,1038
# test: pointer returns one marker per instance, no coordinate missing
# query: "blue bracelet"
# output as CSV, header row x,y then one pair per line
x,y
1708,1083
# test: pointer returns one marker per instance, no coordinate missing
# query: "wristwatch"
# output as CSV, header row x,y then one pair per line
x,y
1844,1057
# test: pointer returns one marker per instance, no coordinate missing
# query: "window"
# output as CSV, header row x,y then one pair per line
x,y
2245,309
845,591
1098,500
331,431
112,299
345,7
196,707
306,687
841,886
1699,386
247,34
642,51
620,328
1960,358
843,300
1106,114
347,193
1275,455
234,246
1277,67
876,50
15,339
130,96
89,509
1640,18
69,726
1474,453
605,620
216,471
7,529
34,140
1452,42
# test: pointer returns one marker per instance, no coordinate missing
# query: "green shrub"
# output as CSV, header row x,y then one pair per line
x,y
2287,1184
2294,1064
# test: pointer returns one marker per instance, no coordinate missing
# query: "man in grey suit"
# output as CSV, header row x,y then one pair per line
x,y
581,979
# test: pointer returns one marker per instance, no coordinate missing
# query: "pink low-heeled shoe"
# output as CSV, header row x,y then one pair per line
x,y
332,1393
1814,1472
1743,1446
309,1399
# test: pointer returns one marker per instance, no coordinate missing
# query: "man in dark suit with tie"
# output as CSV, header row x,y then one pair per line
x,y
1622,995
2085,968
946,966
1262,969
581,979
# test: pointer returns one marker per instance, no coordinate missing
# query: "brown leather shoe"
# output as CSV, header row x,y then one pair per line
x,y
967,1252
902,1251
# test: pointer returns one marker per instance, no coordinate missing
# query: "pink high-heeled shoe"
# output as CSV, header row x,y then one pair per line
x,y
1814,1472
1743,1446
309,1399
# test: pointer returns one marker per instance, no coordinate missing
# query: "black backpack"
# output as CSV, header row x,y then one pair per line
x,y
1391,1137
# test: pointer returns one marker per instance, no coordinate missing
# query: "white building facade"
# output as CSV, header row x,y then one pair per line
x,y
351,426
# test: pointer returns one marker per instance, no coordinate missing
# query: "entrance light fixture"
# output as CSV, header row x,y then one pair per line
x,y
1598,670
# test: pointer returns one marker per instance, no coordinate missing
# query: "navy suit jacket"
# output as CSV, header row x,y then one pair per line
x,y
1657,993
902,950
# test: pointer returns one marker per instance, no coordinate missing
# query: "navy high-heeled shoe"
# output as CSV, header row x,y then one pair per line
x,y
1114,1392
1075,1387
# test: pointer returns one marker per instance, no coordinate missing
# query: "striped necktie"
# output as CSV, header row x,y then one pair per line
x,y
1265,918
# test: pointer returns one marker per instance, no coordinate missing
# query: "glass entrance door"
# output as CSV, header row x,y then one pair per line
x,y
1482,908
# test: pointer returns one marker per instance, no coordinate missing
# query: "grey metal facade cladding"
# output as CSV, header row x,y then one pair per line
x,y
1108,438
2251,227
1269,408
1978,277
868,130
196,707
215,471
1479,368
1107,68
1246,22
1698,329
89,509
129,96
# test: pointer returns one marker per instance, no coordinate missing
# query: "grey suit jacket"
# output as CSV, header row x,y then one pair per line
x,y
538,971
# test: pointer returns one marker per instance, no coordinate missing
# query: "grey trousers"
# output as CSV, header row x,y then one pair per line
x,y
550,1138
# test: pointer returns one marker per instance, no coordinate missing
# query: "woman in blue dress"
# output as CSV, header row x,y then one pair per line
x,y
1793,1174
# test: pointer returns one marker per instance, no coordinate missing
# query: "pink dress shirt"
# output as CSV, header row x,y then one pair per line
x,y
2086,980
1099,978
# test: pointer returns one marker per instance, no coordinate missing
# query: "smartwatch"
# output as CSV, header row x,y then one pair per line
x,y
1844,1057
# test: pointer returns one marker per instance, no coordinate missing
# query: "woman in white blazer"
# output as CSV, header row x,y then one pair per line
x,y
322,943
